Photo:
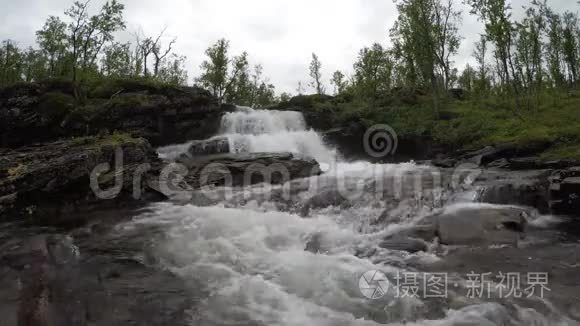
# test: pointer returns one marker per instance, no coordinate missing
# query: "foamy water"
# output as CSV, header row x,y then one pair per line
x,y
249,256
253,131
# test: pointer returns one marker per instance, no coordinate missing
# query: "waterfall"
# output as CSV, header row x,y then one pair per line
x,y
250,130
255,260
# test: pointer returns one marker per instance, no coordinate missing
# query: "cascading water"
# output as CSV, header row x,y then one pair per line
x,y
251,130
247,251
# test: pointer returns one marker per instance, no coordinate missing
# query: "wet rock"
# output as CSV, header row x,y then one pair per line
x,y
326,198
481,314
314,243
246,169
218,145
527,163
565,192
499,164
517,156
402,243
480,157
530,163
570,185
49,278
523,188
444,162
481,225
423,231
47,181
575,311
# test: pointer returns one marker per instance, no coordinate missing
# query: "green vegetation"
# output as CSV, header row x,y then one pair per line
x,y
469,123
81,47
478,123
96,99
522,89
231,80
54,106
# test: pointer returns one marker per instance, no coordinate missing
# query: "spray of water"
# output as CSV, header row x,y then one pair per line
x,y
249,254
251,130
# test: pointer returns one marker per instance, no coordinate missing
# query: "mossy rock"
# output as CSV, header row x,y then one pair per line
x,y
309,101
54,106
110,88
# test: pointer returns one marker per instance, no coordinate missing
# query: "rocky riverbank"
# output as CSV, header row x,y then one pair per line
x,y
41,112
69,180
69,150
78,245
46,181
552,186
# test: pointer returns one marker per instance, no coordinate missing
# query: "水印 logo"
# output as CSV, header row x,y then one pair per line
x,y
373,284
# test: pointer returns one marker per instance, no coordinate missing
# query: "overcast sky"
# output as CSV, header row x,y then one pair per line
x,y
279,34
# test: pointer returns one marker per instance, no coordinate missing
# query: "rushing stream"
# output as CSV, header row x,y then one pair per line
x,y
247,250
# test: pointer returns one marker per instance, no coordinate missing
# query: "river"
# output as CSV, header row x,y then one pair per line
x,y
270,255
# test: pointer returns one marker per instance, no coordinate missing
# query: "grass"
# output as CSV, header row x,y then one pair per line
x,y
471,123
552,122
115,139
563,152
119,139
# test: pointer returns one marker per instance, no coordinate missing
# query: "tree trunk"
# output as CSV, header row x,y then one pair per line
x,y
435,95
156,68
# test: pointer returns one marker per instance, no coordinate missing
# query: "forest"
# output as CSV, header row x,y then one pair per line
x,y
524,87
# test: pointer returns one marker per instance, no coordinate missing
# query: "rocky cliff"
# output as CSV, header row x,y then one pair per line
x,y
51,181
40,112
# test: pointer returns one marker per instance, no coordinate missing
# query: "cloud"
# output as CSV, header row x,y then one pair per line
x,y
281,34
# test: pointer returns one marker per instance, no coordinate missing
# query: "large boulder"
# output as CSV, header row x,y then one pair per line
x,y
47,269
53,180
216,145
512,156
102,277
565,192
323,199
481,225
402,243
246,169
163,114
523,188
531,163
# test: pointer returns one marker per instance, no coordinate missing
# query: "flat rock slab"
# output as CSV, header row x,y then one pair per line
x,y
246,169
50,179
559,260
97,277
565,192
484,225
212,146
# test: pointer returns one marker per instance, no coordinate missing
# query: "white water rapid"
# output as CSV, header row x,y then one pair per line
x,y
251,130
245,256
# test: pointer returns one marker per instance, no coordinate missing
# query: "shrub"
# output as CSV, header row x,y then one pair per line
x,y
54,106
